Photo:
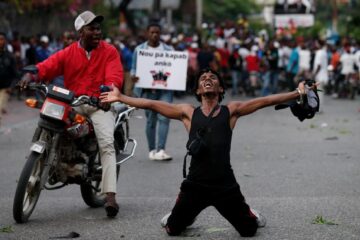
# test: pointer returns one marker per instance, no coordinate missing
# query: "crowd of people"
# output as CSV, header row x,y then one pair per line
x,y
252,63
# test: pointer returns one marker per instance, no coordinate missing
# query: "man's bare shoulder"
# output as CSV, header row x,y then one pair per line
x,y
232,105
186,107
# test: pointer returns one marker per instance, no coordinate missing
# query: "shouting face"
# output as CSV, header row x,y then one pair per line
x,y
209,85
91,35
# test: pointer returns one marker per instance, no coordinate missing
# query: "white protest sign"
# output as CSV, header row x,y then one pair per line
x,y
161,69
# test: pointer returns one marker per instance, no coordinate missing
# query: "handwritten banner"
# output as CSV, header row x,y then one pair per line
x,y
161,69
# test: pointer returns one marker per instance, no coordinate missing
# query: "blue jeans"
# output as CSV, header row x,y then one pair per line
x,y
154,118
235,77
270,82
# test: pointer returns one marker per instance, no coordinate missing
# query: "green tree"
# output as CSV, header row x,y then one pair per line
x,y
228,9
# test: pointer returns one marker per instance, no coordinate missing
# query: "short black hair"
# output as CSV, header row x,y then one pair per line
x,y
221,81
3,34
153,24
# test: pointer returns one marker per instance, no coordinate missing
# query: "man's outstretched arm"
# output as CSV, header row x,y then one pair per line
x,y
238,108
173,111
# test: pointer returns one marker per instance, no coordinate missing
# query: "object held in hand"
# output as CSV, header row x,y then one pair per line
x,y
104,88
307,105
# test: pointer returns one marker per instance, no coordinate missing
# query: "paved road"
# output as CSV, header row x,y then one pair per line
x,y
290,171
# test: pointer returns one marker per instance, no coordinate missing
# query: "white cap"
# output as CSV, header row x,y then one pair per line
x,y
86,18
194,45
44,39
254,48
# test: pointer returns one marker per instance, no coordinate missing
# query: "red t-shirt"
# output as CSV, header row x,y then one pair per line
x,y
84,76
252,63
224,54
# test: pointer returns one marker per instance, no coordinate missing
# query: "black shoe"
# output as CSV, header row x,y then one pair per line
x,y
111,207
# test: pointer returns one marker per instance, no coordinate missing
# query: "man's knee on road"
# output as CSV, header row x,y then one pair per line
x,y
247,228
172,232
175,227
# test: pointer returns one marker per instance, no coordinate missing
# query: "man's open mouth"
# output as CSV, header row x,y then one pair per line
x,y
207,85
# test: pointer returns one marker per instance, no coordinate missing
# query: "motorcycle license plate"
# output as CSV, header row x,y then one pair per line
x,y
38,147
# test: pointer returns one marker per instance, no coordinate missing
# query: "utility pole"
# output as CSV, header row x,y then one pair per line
x,y
169,17
334,15
199,11
156,9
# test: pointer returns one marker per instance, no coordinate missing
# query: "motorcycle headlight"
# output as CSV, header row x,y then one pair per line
x,y
53,110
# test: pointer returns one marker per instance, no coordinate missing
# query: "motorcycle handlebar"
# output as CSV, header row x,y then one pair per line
x,y
38,86
82,99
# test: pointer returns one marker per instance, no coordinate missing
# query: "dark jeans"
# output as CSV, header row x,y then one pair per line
x,y
290,81
230,203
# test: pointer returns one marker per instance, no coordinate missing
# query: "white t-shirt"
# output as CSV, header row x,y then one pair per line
x,y
243,52
286,51
322,61
347,63
304,59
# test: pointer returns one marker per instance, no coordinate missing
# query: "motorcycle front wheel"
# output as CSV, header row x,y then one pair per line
x,y
28,188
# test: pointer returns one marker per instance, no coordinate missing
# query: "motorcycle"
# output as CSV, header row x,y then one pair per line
x,y
64,149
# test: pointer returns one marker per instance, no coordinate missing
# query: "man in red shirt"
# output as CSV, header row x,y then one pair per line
x,y
86,65
253,67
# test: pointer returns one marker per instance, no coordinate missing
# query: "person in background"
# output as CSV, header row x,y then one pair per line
x,y
320,69
43,51
357,62
235,64
30,53
271,81
335,67
8,73
206,57
253,68
244,52
157,125
224,54
68,38
292,68
348,63
304,61
127,51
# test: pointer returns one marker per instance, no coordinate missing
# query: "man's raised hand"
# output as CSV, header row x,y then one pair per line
x,y
112,96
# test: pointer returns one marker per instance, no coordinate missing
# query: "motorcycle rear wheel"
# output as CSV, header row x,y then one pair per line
x,y
28,188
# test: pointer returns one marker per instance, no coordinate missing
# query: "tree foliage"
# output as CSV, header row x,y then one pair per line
x,y
228,9
348,19
24,6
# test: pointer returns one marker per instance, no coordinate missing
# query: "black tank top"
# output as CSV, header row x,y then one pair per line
x,y
212,165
